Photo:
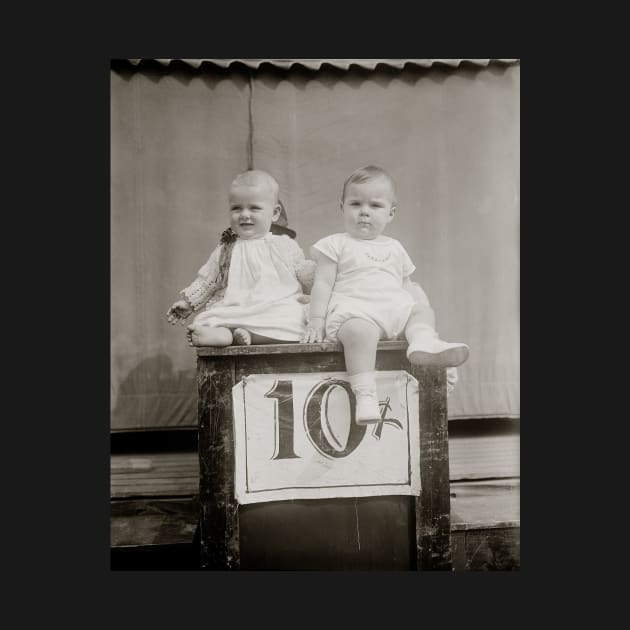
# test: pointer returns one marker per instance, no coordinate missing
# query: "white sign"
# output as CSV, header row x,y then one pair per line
x,y
295,438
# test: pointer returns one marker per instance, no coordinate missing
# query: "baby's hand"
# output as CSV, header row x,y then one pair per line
x,y
314,330
179,312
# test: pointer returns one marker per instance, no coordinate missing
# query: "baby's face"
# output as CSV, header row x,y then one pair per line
x,y
252,210
367,208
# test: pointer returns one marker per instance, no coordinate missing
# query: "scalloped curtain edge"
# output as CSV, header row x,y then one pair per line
x,y
316,64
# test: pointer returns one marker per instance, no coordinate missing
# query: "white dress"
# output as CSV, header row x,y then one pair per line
x,y
262,290
369,283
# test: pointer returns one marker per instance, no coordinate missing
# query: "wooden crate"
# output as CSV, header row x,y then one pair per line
x,y
381,533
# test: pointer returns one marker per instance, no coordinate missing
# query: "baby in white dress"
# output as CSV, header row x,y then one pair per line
x,y
252,284
363,292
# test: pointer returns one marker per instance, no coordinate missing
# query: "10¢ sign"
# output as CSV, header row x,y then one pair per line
x,y
295,438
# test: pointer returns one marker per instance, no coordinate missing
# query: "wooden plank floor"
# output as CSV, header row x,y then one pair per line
x,y
485,504
484,456
495,549
154,500
152,522
153,494
154,475
485,525
177,474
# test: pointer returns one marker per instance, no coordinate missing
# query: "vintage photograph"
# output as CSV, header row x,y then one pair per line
x,y
315,325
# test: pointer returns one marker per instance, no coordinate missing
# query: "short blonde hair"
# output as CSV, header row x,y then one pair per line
x,y
254,177
367,174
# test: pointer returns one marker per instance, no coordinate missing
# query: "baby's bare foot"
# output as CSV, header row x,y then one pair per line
x,y
241,337
192,334
208,336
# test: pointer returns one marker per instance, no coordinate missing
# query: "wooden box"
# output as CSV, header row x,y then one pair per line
x,y
368,533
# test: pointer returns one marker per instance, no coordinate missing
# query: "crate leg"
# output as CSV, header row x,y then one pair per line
x,y
219,509
433,506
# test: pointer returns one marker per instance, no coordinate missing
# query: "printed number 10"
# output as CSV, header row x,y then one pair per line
x,y
315,413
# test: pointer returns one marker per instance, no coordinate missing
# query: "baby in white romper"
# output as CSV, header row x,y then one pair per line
x,y
363,292
252,285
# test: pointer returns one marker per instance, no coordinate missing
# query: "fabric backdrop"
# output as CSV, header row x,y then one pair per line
x,y
449,137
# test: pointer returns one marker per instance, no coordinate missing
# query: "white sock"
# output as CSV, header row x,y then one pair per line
x,y
363,381
419,329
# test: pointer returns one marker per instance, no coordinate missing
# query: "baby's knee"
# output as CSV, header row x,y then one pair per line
x,y
357,331
196,326
423,309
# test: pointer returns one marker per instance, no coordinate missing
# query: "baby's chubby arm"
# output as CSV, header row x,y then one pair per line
x,y
325,275
198,293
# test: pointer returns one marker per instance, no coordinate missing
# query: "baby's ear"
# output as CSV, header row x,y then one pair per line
x,y
276,213
392,212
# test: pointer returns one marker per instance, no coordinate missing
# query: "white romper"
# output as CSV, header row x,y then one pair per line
x,y
369,283
262,293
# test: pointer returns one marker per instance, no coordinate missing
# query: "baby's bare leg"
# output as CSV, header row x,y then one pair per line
x,y
244,337
359,339
217,336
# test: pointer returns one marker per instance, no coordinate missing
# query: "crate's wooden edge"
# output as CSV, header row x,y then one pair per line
x,y
289,348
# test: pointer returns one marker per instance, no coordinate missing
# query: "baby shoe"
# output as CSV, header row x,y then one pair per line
x,y
426,348
367,407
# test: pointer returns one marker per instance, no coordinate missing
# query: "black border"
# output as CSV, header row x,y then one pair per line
x,y
64,93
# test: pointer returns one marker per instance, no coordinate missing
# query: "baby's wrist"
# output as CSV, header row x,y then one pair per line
x,y
186,301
